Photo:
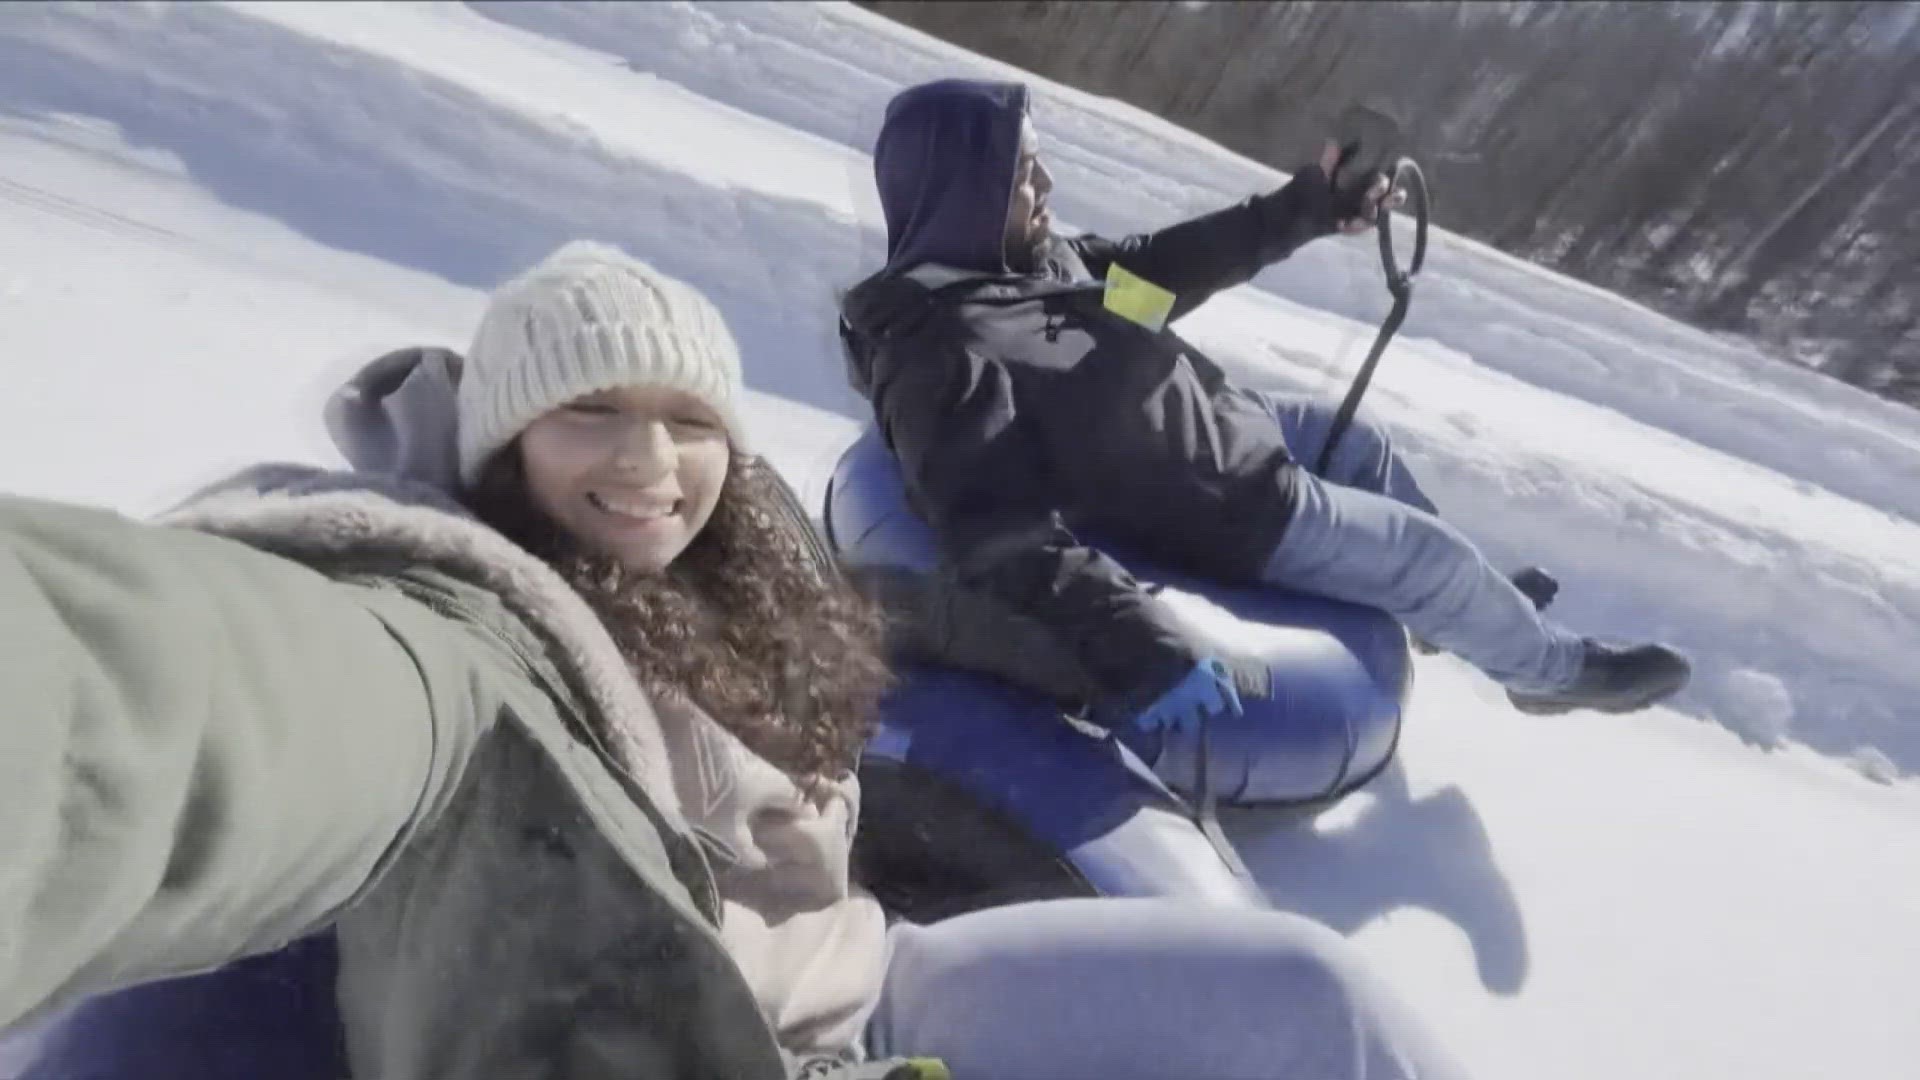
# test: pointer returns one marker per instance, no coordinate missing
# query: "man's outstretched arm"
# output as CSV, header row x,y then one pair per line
x,y
1202,256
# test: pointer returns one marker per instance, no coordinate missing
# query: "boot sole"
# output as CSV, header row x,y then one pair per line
x,y
1645,700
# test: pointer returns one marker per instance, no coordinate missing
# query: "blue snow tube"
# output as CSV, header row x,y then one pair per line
x,y
271,1015
1341,676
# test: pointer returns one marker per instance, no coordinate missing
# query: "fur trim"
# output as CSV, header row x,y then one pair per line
x,y
311,515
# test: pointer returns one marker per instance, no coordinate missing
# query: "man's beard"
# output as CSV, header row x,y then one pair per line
x,y
1026,252
1050,256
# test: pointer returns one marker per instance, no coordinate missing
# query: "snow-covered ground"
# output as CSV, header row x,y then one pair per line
x,y
209,213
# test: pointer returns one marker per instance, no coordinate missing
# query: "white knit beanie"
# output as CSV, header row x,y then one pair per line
x,y
589,318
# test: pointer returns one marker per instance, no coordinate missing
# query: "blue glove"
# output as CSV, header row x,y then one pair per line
x,y
1207,691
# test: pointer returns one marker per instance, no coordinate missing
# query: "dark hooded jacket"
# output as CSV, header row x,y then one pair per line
x,y
1022,410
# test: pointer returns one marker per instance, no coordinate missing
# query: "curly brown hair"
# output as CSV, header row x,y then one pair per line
x,y
749,623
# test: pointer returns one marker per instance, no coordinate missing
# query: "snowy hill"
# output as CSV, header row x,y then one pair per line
x,y
209,213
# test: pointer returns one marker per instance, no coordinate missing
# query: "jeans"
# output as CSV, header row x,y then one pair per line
x,y
1364,532
1129,989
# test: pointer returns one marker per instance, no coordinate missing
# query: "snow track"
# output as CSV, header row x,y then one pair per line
x,y
209,212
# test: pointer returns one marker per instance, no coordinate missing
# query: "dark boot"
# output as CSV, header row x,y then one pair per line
x,y
1534,583
1612,680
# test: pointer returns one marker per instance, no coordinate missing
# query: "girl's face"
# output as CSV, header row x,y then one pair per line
x,y
632,473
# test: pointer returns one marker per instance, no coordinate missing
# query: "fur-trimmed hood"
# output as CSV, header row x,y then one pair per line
x,y
330,519
393,421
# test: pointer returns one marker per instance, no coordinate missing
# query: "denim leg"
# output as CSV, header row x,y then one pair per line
x,y
1354,545
1365,459
1125,989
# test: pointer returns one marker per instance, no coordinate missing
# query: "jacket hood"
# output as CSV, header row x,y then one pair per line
x,y
346,519
944,165
398,416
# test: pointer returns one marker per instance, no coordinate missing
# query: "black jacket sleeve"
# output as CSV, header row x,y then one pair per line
x,y
948,416
1205,255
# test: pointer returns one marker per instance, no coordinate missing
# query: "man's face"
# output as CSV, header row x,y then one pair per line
x,y
1028,217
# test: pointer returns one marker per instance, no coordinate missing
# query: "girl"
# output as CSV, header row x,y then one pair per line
x,y
549,711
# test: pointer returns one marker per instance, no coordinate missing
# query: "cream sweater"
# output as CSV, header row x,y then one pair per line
x,y
811,943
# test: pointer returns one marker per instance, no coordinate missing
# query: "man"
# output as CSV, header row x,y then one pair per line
x,y
1024,402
